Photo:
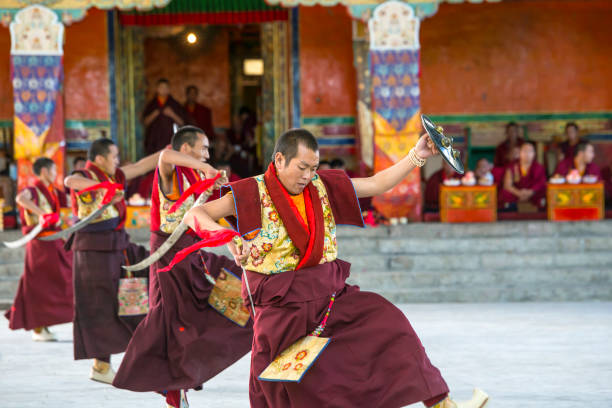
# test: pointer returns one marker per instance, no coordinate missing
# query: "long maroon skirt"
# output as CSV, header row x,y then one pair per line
x,y
183,342
98,257
44,296
374,358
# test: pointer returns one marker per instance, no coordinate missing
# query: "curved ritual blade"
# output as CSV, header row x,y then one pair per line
x,y
23,240
161,251
169,243
444,144
79,225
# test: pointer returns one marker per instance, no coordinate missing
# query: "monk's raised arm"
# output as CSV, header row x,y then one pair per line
x,y
208,214
392,176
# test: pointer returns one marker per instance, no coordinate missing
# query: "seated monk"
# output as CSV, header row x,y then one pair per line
x,y
582,161
524,181
432,188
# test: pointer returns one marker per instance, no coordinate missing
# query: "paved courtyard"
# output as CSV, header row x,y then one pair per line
x,y
526,355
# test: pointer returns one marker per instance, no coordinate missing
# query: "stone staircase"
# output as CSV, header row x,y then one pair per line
x,y
432,262
499,262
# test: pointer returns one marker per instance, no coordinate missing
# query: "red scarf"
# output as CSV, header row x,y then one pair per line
x,y
308,237
119,177
52,198
191,176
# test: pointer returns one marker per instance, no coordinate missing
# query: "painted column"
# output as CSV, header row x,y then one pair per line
x,y
275,95
37,76
394,61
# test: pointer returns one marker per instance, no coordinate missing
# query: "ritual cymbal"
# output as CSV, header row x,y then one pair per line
x,y
444,144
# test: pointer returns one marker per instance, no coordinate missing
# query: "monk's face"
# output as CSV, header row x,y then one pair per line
x,y
512,132
572,134
163,89
199,150
482,168
192,95
527,153
110,162
297,173
48,174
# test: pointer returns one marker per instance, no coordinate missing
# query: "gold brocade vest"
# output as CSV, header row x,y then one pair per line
x,y
272,250
31,218
169,222
87,204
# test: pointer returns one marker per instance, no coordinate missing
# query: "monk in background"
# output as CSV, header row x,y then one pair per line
x,y
198,115
44,297
159,116
582,161
503,152
100,249
567,149
524,181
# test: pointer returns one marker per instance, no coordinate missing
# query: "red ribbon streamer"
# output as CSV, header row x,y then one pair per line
x,y
197,188
209,239
49,220
111,189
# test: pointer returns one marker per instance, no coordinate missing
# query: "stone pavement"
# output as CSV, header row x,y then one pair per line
x,y
526,355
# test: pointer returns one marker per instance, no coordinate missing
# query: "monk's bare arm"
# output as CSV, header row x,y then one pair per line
x,y
77,182
207,215
142,166
24,199
392,176
508,185
168,159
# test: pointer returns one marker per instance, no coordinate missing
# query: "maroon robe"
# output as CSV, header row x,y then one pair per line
x,y
100,250
503,150
201,116
44,296
183,342
567,165
569,150
159,132
374,358
535,179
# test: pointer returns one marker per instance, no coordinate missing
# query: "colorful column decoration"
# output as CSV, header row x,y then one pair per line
x,y
275,85
37,76
394,62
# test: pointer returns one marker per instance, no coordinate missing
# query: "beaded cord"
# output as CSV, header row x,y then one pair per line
x,y
317,332
207,274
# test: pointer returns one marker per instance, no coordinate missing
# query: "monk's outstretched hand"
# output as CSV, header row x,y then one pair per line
x,y
425,147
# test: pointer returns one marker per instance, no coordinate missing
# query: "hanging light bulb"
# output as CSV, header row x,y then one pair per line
x,y
192,38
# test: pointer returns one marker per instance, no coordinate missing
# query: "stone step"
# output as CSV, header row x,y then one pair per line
x,y
11,271
497,229
486,261
466,279
488,294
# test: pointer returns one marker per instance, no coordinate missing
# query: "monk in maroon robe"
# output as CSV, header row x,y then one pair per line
x,y
567,149
183,342
198,114
582,161
524,181
44,296
100,250
432,187
503,152
159,116
296,286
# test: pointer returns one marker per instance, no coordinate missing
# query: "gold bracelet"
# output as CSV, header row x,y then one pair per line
x,y
415,159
